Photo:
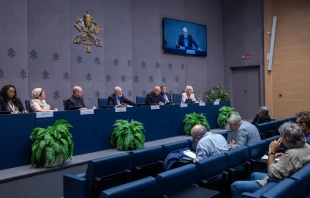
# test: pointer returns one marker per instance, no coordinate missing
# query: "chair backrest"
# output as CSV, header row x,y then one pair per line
x,y
268,140
102,102
106,166
177,98
238,156
280,122
263,128
168,148
146,156
27,104
138,189
211,166
302,178
192,145
175,180
273,125
291,119
286,188
140,100
258,149
259,192
64,104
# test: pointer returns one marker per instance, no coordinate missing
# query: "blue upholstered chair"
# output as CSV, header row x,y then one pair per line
x,y
268,140
137,189
180,181
74,186
257,151
263,130
302,178
102,102
259,192
291,119
147,162
107,172
140,100
177,98
223,133
212,173
286,188
168,148
27,104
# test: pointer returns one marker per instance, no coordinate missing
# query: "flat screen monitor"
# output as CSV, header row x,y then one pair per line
x,y
183,37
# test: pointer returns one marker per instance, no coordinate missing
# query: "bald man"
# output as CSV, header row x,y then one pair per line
x,y
186,40
117,98
76,101
154,97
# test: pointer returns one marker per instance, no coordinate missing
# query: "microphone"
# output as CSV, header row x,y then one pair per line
x,y
93,102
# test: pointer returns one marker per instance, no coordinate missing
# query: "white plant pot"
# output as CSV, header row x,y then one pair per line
x,y
57,162
227,126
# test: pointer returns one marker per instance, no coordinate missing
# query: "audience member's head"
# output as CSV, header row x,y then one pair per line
x,y
8,92
77,91
303,121
118,91
156,90
163,89
292,135
189,89
234,121
184,31
38,93
198,131
263,111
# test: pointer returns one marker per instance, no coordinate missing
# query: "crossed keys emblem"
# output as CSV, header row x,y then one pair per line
x,y
89,28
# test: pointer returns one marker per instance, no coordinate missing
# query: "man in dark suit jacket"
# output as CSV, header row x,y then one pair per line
x,y
118,99
186,40
76,101
166,97
262,116
154,97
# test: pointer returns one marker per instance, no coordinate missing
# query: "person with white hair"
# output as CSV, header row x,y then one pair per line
x,y
38,103
186,40
262,116
295,158
154,97
118,99
76,101
188,94
246,132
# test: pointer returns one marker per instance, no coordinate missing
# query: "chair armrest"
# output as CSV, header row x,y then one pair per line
x,y
74,186
274,180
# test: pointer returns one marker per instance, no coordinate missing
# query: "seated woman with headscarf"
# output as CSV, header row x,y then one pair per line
x,y
9,101
38,104
296,157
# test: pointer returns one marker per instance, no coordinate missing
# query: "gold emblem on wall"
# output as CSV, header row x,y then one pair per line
x,y
89,28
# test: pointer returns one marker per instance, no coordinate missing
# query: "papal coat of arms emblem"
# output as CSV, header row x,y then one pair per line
x,y
89,28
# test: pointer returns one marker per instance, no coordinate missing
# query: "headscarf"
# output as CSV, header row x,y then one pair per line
x,y
36,93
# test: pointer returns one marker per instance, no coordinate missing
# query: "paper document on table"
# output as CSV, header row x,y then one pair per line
x,y
189,154
265,157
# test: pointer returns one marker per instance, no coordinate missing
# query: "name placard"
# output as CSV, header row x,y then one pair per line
x,y
120,109
155,107
44,114
202,104
87,112
182,105
217,102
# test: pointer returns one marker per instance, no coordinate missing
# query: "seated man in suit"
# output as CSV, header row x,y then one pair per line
x,y
76,101
154,97
166,97
118,99
262,116
186,40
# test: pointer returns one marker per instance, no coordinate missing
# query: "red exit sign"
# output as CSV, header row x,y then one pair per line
x,y
246,56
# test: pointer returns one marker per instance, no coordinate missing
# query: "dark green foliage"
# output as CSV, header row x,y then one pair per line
x,y
51,142
217,93
192,119
127,135
225,113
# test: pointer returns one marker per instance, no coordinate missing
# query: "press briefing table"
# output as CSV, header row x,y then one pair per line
x,y
92,132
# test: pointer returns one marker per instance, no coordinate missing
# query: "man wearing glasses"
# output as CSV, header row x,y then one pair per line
x,y
303,121
154,97
76,101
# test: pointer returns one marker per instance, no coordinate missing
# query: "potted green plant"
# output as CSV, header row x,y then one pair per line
x,y
52,146
225,113
128,135
217,93
192,119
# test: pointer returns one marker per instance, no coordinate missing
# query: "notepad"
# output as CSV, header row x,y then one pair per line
x,y
189,154
265,157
